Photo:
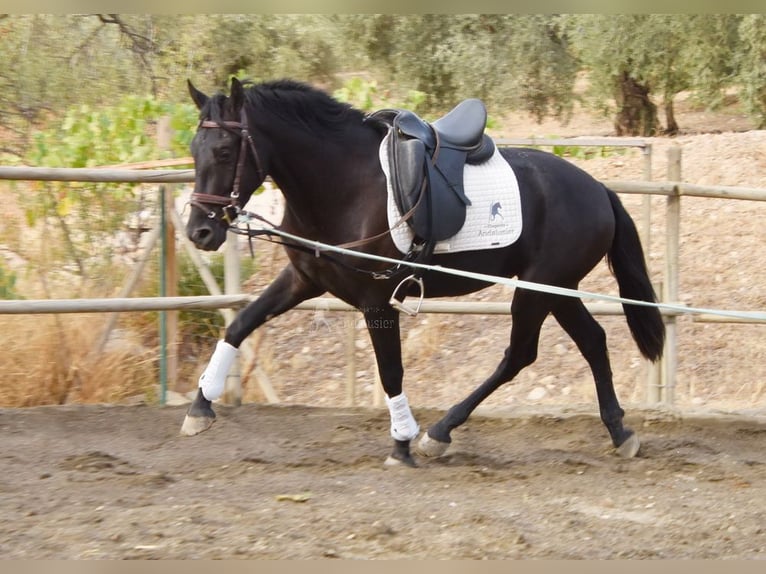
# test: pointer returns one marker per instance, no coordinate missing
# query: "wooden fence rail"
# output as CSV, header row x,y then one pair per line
x,y
140,304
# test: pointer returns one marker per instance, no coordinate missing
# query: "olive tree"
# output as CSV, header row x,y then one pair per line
x,y
637,61
520,61
751,60
52,62
619,53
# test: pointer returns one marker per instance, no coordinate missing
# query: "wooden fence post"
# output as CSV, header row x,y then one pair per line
x,y
130,285
349,326
232,393
654,375
670,285
653,370
646,199
171,289
164,135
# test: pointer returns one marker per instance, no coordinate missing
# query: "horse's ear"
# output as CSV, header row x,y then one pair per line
x,y
237,94
198,97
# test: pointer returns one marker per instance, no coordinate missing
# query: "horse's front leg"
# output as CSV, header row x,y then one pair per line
x,y
383,327
284,293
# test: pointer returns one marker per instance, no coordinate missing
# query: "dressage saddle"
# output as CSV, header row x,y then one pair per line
x,y
426,165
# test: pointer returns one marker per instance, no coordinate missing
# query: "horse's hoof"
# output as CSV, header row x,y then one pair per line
x,y
196,425
401,455
431,447
407,462
629,448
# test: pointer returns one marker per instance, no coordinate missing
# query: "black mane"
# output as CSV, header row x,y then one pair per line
x,y
297,103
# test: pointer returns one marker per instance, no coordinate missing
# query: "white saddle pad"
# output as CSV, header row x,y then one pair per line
x,y
493,219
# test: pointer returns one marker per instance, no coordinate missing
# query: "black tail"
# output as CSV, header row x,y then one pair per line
x,y
626,260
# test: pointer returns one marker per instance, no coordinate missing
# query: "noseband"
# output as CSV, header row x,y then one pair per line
x,y
230,204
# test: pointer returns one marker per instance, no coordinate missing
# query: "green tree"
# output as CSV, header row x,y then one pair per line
x,y
520,61
214,47
712,43
615,51
52,62
636,60
89,213
751,73
7,283
537,67
636,63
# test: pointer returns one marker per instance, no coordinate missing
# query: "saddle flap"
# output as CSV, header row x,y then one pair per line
x,y
444,213
408,158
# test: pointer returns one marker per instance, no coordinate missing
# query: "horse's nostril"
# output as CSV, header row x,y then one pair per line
x,y
201,235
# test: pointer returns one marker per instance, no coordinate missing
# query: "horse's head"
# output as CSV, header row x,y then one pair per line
x,y
227,165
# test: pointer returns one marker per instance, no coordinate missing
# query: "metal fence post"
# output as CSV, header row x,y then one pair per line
x,y
163,293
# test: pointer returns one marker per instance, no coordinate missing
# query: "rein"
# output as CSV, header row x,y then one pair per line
x,y
230,203
275,236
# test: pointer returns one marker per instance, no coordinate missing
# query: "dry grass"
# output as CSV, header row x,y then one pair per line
x,y
47,359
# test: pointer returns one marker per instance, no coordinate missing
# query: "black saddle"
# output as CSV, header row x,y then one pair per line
x,y
427,160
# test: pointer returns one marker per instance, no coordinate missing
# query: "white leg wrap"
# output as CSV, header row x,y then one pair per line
x,y
403,424
213,378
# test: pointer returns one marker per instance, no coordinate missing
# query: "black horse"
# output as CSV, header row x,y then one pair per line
x,y
324,157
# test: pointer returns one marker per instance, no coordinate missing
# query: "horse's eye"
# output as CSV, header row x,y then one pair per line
x,y
222,155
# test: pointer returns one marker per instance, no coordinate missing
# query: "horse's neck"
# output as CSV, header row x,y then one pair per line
x,y
319,178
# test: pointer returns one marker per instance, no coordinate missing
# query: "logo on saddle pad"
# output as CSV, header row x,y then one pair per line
x,y
496,211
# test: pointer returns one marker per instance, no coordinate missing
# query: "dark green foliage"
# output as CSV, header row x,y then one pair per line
x,y
8,284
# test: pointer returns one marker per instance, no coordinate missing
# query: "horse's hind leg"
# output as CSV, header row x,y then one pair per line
x,y
284,293
528,312
590,338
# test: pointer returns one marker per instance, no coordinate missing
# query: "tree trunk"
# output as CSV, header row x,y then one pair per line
x,y
670,118
637,115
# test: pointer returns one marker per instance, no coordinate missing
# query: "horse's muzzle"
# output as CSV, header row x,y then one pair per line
x,y
206,236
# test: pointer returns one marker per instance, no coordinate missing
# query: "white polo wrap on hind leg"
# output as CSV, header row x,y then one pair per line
x,y
213,379
403,424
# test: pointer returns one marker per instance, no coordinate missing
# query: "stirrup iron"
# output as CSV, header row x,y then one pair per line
x,y
400,305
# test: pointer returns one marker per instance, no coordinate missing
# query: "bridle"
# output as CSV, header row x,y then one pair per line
x,y
230,205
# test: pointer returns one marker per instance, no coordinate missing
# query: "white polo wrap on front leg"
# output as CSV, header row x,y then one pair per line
x,y
403,424
213,379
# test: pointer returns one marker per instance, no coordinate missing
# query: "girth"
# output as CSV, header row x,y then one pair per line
x,y
427,160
